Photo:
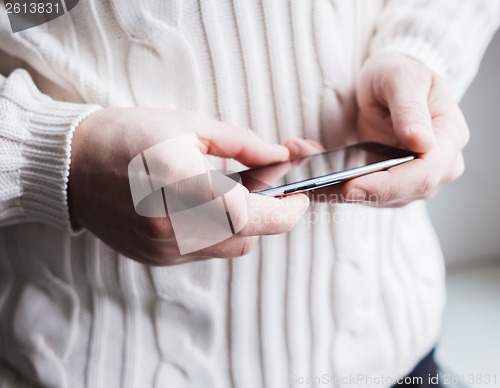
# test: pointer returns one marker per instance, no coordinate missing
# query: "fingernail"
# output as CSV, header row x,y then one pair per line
x,y
355,195
418,129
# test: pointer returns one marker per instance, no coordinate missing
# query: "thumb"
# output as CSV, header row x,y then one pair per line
x,y
407,100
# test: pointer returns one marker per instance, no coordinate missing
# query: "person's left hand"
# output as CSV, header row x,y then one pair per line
x,y
403,103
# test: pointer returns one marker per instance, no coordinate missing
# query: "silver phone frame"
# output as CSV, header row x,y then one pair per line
x,y
334,178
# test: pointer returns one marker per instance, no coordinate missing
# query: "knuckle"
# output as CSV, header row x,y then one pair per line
x,y
246,246
158,229
412,109
385,195
429,185
234,247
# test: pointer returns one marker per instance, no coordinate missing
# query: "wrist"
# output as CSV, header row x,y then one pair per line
x,y
76,188
417,49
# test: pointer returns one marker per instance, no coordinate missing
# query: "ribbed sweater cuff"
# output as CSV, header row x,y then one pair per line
x,y
47,156
35,134
416,48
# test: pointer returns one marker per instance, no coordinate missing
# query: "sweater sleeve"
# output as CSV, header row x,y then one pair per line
x,y
35,147
448,36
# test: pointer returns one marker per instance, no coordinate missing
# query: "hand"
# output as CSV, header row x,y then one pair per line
x,y
100,197
402,103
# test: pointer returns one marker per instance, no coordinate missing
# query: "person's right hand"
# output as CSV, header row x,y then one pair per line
x,y
100,198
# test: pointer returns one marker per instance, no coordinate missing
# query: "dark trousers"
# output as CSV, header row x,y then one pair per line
x,y
423,372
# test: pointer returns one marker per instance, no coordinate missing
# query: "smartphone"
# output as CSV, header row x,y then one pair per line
x,y
323,169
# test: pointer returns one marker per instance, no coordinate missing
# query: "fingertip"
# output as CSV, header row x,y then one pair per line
x,y
360,190
271,215
282,153
299,147
295,208
262,153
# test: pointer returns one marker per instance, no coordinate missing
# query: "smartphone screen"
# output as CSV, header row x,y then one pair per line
x,y
323,169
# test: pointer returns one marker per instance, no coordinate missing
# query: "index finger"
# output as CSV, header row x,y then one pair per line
x,y
230,141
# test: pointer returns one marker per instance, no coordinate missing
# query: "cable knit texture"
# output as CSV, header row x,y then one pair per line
x,y
349,290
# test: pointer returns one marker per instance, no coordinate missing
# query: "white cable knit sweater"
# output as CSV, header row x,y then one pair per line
x,y
349,290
